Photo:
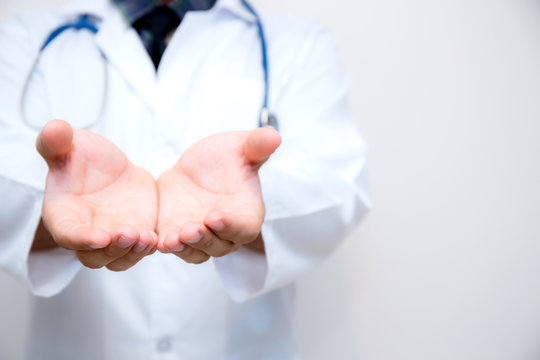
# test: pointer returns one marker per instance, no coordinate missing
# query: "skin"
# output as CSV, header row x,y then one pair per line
x,y
210,200
96,202
104,208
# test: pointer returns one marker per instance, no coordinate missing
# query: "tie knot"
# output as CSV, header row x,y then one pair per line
x,y
160,21
154,28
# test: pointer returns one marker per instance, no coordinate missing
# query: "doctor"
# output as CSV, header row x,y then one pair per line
x,y
187,118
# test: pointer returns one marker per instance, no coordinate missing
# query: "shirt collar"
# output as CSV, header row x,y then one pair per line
x,y
135,9
100,7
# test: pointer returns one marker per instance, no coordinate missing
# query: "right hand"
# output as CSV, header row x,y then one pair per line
x,y
210,201
96,202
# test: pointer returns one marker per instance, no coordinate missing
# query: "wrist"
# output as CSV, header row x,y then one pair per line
x,y
43,239
256,245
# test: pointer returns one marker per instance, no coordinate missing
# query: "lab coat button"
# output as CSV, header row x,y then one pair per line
x,y
164,345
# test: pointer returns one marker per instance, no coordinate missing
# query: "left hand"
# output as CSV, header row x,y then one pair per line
x,y
210,201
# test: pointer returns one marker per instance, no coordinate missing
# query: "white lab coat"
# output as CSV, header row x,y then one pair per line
x,y
210,80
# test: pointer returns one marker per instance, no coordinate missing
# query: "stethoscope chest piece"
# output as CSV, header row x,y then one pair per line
x,y
267,119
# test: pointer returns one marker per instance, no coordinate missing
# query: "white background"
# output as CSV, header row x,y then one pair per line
x,y
447,265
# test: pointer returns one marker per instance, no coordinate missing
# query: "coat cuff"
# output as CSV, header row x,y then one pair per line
x,y
295,240
51,271
45,273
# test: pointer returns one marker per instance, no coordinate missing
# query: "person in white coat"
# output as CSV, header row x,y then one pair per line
x,y
192,126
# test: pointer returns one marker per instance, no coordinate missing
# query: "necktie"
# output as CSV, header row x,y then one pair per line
x,y
153,29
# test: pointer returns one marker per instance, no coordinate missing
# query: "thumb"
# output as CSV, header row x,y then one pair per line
x,y
260,144
54,141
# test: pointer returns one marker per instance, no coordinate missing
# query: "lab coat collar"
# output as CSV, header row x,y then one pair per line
x,y
235,7
121,45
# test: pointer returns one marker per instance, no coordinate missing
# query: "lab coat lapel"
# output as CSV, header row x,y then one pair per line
x,y
235,7
124,50
121,46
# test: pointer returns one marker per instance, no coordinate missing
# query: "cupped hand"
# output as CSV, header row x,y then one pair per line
x,y
96,201
210,201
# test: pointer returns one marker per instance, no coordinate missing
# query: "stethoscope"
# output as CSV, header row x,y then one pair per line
x,y
87,22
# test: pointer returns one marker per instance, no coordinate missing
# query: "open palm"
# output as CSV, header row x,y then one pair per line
x,y
96,202
210,201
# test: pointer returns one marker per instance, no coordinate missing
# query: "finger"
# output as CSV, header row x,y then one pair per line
x,y
191,255
147,241
169,241
144,247
99,258
54,141
122,243
260,144
72,235
201,238
235,228
124,238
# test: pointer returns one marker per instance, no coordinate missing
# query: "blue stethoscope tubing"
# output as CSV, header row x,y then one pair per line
x,y
85,21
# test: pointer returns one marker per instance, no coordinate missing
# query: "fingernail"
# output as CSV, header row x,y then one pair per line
x,y
139,247
96,246
217,225
124,242
178,248
194,239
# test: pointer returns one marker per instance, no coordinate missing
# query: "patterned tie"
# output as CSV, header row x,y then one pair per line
x,y
153,29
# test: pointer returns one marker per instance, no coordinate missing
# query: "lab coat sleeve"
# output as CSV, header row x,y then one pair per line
x,y
314,186
22,174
